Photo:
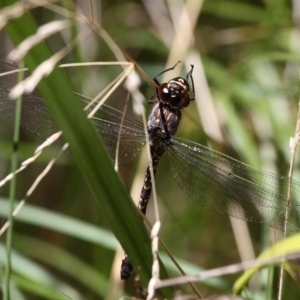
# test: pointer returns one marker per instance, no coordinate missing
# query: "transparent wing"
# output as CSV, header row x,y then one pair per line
x,y
109,122
227,186
118,131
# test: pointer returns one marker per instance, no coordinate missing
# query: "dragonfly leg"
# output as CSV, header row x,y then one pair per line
x,y
164,71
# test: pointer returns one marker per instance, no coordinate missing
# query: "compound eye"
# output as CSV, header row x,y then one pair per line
x,y
180,101
164,93
165,90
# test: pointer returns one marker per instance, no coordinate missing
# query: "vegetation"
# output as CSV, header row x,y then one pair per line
x,y
246,58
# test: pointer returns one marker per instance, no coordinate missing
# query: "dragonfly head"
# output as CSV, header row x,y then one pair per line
x,y
175,93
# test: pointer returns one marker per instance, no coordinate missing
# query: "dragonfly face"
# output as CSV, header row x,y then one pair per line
x,y
175,93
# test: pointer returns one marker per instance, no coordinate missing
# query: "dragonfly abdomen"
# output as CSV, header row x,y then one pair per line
x,y
147,186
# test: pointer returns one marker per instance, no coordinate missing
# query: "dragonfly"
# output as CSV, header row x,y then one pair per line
x,y
215,181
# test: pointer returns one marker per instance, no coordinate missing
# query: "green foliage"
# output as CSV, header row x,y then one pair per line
x,y
249,52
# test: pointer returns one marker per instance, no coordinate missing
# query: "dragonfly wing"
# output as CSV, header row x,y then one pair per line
x,y
118,132
122,135
227,186
35,116
120,140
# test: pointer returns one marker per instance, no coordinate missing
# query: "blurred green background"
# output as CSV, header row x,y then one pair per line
x,y
246,57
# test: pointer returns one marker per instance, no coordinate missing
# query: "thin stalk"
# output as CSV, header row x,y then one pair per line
x,y
294,143
12,194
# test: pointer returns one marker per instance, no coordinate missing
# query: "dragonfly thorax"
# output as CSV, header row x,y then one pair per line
x,y
156,124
